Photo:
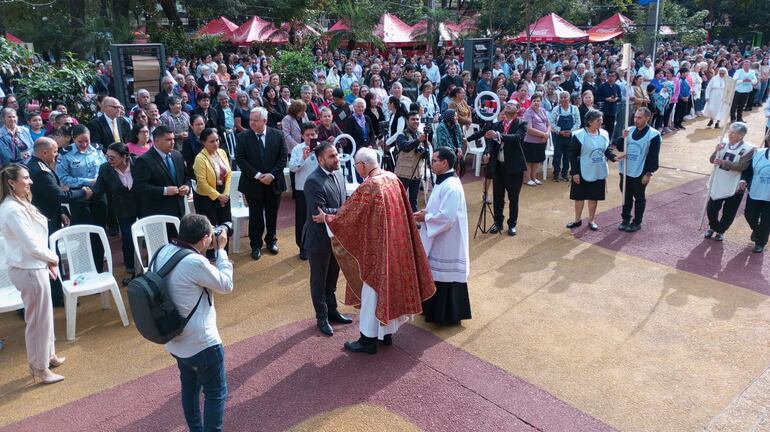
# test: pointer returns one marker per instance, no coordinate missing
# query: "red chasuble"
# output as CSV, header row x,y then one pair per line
x,y
376,241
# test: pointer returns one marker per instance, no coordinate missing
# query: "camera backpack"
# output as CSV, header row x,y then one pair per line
x,y
155,314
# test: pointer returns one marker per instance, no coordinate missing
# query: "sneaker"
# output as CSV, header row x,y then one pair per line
x,y
708,233
758,249
634,227
556,179
531,183
719,237
538,182
623,226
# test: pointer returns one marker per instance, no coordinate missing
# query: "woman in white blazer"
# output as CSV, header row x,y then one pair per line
x,y
26,231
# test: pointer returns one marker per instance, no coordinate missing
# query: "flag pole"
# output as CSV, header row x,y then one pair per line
x,y
655,34
627,64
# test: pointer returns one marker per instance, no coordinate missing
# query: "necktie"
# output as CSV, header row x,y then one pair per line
x,y
170,165
260,139
115,132
334,179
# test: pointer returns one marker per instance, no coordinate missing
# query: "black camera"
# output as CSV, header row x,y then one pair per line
x,y
225,227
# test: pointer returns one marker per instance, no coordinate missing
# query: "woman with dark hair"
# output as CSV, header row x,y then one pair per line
x,y
398,117
470,93
374,112
588,166
460,105
271,104
536,140
212,175
140,116
31,267
139,140
115,181
641,97
284,99
291,124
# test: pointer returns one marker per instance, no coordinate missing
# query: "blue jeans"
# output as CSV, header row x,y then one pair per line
x,y
204,370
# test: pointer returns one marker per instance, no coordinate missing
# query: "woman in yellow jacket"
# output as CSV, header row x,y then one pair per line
x,y
212,174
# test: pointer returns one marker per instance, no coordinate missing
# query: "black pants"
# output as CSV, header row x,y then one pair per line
x,y
263,217
300,216
501,184
682,108
758,216
92,212
560,155
739,104
634,197
728,206
667,114
413,188
324,272
127,243
609,124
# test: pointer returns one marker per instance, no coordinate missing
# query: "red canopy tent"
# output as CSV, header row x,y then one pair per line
x,y
219,26
253,30
552,28
448,32
610,28
14,39
392,31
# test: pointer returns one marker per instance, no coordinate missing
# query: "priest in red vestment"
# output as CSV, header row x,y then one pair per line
x,y
378,247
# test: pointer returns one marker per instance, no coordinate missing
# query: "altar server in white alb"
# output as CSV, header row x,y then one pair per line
x,y
757,177
725,192
642,160
444,235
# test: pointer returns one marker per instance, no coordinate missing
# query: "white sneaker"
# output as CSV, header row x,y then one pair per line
x,y
538,182
531,183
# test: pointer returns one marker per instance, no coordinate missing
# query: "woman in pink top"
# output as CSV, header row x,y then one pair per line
x,y
139,142
538,128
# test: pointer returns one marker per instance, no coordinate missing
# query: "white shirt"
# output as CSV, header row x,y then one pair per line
x,y
186,282
302,168
26,234
445,232
647,74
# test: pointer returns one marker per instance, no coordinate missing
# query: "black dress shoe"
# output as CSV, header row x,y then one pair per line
x,y
634,227
512,231
623,226
361,347
303,256
337,317
387,340
494,229
325,327
574,224
256,254
758,249
273,248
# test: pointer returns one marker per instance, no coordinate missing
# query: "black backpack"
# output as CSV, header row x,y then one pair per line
x,y
155,315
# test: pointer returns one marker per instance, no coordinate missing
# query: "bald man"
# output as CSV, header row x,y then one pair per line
x,y
110,127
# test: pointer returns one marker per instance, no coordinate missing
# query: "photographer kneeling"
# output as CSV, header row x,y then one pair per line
x,y
412,148
198,349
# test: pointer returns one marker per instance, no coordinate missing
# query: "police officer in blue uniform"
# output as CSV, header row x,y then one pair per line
x,y
640,162
78,169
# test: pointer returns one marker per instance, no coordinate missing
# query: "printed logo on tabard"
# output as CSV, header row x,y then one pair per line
x,y
764,175
596,156
634,150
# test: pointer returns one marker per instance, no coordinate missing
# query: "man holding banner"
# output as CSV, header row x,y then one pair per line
x,y
642,150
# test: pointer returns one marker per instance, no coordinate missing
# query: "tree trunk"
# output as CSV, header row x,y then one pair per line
x,y
169,9
77,12
120,10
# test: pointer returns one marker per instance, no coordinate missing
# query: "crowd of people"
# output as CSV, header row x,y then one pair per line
x,y
408,114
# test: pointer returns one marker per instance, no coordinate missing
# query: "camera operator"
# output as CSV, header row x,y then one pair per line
x,y
198,349
506,165
302,163
412,148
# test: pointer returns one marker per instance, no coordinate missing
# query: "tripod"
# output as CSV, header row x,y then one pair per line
x,y
486,206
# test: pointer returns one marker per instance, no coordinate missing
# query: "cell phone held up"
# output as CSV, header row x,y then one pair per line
x,y
313,144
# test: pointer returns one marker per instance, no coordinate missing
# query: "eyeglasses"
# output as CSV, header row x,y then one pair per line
x,y
362,163
114,106
435,160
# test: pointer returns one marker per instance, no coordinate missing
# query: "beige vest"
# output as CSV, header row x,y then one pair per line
x,y
406,163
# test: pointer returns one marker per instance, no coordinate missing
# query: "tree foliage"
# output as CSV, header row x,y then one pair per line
x,y
361,17
66,81
294,67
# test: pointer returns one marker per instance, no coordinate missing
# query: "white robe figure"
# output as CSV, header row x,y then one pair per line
x,y
444,236
715,92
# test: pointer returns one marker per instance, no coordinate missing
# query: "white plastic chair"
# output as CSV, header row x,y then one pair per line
x,y
474,149
10,297
83,278
153,229
548,157
238,212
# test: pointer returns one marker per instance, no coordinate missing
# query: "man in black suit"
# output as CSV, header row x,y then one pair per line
x,y
48,196
506,165
110,127
160,178
166,92
261,154
324,189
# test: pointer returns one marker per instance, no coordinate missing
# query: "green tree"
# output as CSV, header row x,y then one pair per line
x,y
361,18
295,67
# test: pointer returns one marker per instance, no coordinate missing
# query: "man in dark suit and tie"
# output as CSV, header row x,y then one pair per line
x,y
324,189
160,178
110,127
262,155
48,196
